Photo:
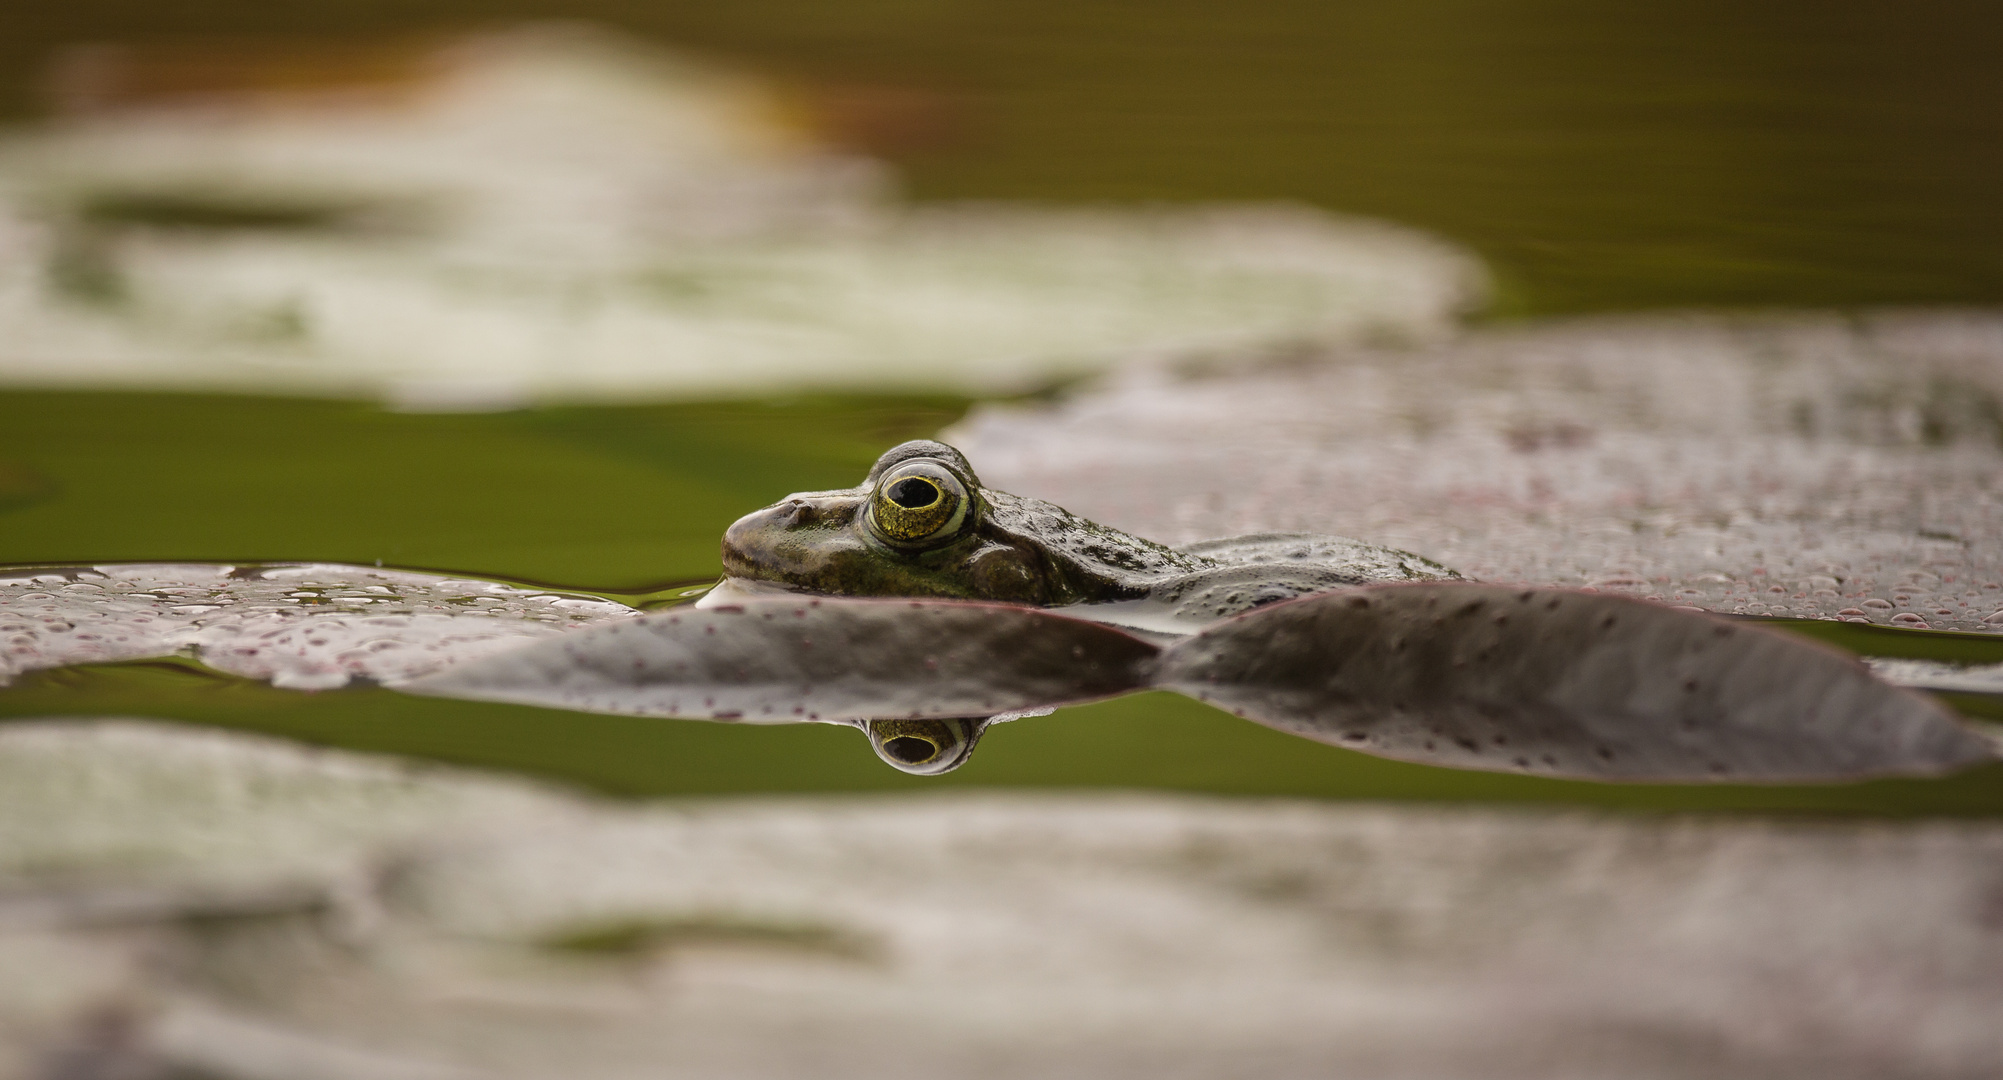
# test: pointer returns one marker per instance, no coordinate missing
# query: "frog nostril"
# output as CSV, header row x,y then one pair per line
x,y
796,513
911,750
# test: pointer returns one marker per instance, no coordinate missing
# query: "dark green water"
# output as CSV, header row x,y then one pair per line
x,y
622,499
607,498
1599,155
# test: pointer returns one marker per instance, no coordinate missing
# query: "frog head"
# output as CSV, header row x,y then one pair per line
x,y
921,524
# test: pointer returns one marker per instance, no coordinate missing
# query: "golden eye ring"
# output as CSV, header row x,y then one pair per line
x,y
917,503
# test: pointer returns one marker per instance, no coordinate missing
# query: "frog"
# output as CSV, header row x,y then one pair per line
x,y
921,524
922,608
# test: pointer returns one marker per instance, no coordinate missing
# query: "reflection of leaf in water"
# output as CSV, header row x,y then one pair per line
x,y
1564,683
217,210
826,659
281,322
1958,410
81,267
1943,410
20,486
644,935
1545,682
84,263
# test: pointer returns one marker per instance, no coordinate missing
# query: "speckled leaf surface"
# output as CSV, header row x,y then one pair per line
x,y
1804,465
303,626
1563,683
833,660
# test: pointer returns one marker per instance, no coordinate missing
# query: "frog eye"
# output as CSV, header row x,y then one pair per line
x,y
916,503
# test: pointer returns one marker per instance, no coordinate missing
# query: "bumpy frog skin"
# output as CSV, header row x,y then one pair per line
x,y
991,545
920,524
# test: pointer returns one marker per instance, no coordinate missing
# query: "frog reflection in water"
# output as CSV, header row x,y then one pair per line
x,y
922,525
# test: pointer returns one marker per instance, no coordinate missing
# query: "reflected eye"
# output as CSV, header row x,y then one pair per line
x,y
924,747
918,502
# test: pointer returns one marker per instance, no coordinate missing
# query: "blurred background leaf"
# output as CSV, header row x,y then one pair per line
x,y
1598,155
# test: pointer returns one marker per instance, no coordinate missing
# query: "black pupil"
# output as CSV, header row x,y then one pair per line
x,y
910,750
912,493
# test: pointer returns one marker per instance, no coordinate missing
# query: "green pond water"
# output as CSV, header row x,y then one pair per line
x,y
629,502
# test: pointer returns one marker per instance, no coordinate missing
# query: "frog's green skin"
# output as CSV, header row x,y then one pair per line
x,y
1019,550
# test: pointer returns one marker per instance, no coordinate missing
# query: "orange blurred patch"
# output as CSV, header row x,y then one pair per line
x,y
878,118
108,76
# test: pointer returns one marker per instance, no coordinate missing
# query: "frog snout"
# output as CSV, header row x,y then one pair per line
x,y
747,543
751,541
